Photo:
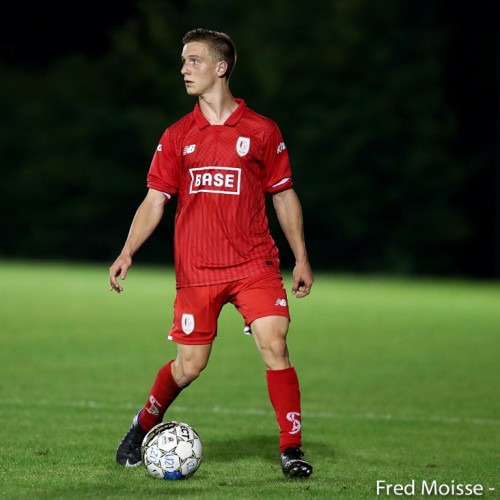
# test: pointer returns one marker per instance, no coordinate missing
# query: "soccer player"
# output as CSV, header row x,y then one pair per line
x,y
220,160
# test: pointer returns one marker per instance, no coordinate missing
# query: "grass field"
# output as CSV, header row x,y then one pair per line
x,y
400,381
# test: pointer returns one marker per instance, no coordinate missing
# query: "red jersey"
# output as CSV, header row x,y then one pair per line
x,y
221,174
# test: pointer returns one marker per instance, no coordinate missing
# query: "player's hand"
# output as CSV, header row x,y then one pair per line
x,y
119,268
302,280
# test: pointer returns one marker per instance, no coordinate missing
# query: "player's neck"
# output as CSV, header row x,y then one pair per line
x,y
217,107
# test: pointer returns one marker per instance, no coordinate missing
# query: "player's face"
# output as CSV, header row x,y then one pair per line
x,y
198,69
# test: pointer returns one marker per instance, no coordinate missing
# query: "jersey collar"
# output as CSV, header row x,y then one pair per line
x,y
233,119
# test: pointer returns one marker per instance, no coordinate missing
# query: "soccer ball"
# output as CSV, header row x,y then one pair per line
x,y
171,450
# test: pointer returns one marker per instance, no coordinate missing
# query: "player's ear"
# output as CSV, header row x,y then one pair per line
x,y
221,69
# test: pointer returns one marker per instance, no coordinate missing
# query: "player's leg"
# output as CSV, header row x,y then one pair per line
x,y
170,380
263,304
194,328
270,334
284,391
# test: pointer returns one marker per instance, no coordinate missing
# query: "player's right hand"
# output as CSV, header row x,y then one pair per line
x,y
119,268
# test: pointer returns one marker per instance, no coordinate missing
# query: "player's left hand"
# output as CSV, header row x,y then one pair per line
x,y
302,280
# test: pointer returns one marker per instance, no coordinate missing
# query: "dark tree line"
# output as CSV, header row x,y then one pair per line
x,y
370,97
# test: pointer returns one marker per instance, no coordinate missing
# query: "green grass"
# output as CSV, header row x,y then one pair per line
x,y
400,380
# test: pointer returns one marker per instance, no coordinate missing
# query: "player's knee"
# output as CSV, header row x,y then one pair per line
x,y
192,371
186,373
275,354
278,347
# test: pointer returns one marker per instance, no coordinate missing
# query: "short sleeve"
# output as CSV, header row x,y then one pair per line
x,y
277,163
163,172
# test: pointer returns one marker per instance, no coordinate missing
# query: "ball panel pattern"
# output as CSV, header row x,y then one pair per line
x,y
172,450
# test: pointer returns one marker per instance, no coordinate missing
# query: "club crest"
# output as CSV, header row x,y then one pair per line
x,y
187,323
242,146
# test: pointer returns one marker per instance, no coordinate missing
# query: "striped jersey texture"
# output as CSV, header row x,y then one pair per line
x,y
220,175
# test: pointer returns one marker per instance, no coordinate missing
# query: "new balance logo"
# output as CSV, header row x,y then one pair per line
x,y
189,149
281,148
280,302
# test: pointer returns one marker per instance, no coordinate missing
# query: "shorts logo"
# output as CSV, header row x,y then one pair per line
x,y
293,417
242,146
280,302
221,180
187,323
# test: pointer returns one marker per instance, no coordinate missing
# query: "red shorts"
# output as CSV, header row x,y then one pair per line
x,y
197,308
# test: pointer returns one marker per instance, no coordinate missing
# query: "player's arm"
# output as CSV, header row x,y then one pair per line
x,y
289,213
147,217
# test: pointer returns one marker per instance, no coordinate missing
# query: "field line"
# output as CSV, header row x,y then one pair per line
x,y
380,417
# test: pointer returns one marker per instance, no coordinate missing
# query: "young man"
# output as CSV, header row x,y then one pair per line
x,y
220,160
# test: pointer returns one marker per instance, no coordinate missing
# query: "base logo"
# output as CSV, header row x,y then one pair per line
x,y
220,180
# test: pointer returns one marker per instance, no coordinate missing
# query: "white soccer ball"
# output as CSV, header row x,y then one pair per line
x,y
172,450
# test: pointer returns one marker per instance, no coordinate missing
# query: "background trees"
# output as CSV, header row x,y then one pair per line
x,y
378,104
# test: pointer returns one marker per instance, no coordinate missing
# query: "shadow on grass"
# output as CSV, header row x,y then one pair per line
x,y
263,447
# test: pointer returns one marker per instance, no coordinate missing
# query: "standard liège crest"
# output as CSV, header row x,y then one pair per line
x,y
187,323
242,146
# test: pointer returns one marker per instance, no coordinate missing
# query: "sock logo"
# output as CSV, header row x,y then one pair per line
x,y
293,417
153,408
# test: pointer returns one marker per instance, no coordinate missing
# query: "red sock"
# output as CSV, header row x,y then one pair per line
x,y
162,395
284,393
